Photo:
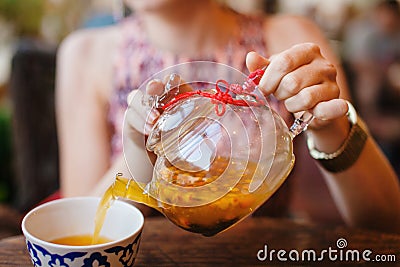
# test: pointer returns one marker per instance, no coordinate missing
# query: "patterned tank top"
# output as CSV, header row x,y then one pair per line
x,y
138,59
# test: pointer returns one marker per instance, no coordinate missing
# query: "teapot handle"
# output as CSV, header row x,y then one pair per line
x,y
300,124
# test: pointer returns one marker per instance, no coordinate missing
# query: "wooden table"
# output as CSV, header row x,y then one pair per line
x,y
163,244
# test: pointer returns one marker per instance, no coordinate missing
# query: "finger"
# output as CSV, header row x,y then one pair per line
x,y
172,81
140,119
135,120
285,62
158,87
155,87
133,95
255,61
152,116
135,100
149,119
309,97
293,82
138,114
331,109
185,87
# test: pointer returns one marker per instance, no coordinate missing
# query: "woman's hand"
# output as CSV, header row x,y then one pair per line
x,y
139,116
142,116
304,80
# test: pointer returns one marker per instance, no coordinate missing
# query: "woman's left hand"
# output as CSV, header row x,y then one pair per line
x,y
304,80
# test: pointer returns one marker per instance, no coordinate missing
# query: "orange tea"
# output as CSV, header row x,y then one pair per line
x,y
208,219
80,240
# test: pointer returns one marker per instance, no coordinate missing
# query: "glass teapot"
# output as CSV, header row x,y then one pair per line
x,y
221,150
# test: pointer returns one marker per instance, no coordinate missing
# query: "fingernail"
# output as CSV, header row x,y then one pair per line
x,y
155,87
173,81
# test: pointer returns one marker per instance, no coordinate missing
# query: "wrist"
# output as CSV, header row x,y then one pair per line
x,y
330,137
350,149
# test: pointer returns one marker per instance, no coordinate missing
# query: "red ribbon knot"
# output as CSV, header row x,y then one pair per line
x,y
222,97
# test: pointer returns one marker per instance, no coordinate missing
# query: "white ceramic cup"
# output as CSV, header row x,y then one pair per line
x,y
75,216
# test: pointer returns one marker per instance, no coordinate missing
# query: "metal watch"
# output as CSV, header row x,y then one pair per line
x,y
349,151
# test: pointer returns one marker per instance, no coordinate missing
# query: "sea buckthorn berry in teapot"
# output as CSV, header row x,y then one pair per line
x,y
221,150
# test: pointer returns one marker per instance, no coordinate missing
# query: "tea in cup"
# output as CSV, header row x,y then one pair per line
x,y
60,233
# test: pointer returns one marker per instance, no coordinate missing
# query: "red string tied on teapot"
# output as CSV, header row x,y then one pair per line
x,y
256,76
222,97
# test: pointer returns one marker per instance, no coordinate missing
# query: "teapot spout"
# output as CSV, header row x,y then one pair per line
x,y
129,189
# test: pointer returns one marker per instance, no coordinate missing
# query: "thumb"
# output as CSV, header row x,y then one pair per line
x,y
255,61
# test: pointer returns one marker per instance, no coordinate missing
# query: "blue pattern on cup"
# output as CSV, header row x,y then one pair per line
x,y
127,257
128,253
96,257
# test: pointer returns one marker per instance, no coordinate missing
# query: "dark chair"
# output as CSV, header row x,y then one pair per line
x,y
34,125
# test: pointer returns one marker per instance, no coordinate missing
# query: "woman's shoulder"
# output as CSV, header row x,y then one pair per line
x,y
91,42
87,56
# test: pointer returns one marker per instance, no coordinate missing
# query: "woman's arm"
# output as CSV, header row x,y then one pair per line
x,y
84,87
82,90
368,193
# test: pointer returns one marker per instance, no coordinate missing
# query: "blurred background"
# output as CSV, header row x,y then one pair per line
x,y
366,36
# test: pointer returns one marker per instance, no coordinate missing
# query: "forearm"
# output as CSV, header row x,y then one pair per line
x,y
367,194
